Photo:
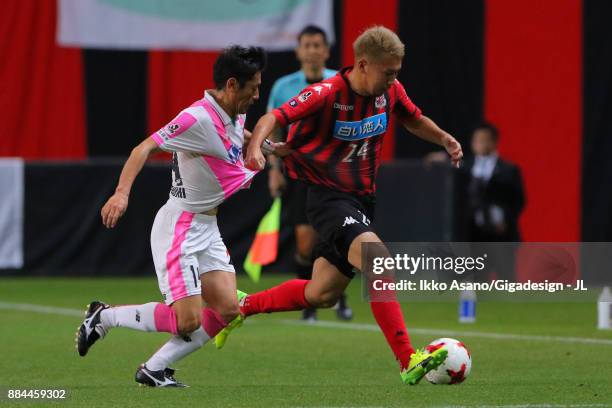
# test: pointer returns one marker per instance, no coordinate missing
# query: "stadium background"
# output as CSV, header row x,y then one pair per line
x,y
539,70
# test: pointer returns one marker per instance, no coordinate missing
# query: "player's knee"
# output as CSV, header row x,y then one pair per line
x,y
189,323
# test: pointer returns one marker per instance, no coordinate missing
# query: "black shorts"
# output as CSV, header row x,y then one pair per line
x,y
295,198
338,219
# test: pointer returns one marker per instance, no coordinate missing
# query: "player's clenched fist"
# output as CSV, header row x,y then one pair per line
x,y
255,159
453,147
113,209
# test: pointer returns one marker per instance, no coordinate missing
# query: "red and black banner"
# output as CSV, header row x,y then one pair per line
x,y
541,71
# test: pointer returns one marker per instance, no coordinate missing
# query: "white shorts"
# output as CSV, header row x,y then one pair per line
x,y
185,245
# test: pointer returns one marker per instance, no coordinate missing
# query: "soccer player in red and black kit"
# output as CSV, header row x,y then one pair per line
x,y
335,144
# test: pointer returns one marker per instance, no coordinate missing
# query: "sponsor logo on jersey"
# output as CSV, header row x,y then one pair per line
x,y
362,129
234,153
304,97
343,107
293,103
166,132
380,102
178,192
163,134
173,127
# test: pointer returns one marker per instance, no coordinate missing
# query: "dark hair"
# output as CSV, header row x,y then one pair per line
x,y
491,128
312,30
238,62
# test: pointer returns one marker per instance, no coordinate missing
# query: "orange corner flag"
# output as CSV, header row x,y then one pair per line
x,y
265,246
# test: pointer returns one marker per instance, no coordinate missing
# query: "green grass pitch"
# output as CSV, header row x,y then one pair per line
x,y
271,362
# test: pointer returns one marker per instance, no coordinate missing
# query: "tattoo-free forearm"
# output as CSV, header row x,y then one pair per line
x,y
134,165
427,129
265,125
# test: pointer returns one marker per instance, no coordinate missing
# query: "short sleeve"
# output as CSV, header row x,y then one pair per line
x,y
404,108
308,102
182,134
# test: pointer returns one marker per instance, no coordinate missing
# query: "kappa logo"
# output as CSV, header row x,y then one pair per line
x,y
304,97
343,107
365,220
380,102
293,103
349,221
318,89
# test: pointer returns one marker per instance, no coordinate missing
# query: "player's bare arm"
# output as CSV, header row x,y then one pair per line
x,y
255,159
427,129
116,205
276,179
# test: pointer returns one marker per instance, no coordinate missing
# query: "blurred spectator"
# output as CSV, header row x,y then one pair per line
x,y
495,190
489,202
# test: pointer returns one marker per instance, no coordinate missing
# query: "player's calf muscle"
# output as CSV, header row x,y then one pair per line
x,y
322,299
355,250
326,286
188,322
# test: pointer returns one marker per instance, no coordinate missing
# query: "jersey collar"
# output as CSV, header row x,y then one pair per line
x,y
224,116
344,75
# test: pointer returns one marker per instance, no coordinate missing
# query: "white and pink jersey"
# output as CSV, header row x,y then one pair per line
x,y
206,148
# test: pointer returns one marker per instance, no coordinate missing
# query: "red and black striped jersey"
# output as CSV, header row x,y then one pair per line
x,y
337,135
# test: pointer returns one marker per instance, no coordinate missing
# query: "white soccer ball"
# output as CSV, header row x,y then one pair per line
x,y
457,366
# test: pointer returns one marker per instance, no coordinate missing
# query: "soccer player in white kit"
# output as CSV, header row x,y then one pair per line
x,y
206,141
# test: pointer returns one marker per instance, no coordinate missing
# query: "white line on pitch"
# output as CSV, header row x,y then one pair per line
x,y
27,307
531,406
454,333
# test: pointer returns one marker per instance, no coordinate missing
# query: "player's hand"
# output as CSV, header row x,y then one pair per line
x,y
255,159
276,182
453,148
281,149
113,209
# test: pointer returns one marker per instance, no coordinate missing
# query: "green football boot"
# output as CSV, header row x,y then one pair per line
x,y
422,362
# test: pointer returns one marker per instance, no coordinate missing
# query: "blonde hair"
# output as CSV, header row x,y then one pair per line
x,y
377,42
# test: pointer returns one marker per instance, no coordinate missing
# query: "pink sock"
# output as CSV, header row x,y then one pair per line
x,y
165,319
149,317
212,322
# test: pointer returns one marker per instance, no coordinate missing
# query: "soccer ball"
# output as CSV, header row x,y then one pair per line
x,y
457,366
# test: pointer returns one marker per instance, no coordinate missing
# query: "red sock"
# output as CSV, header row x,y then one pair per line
x,y
282,298
388,315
